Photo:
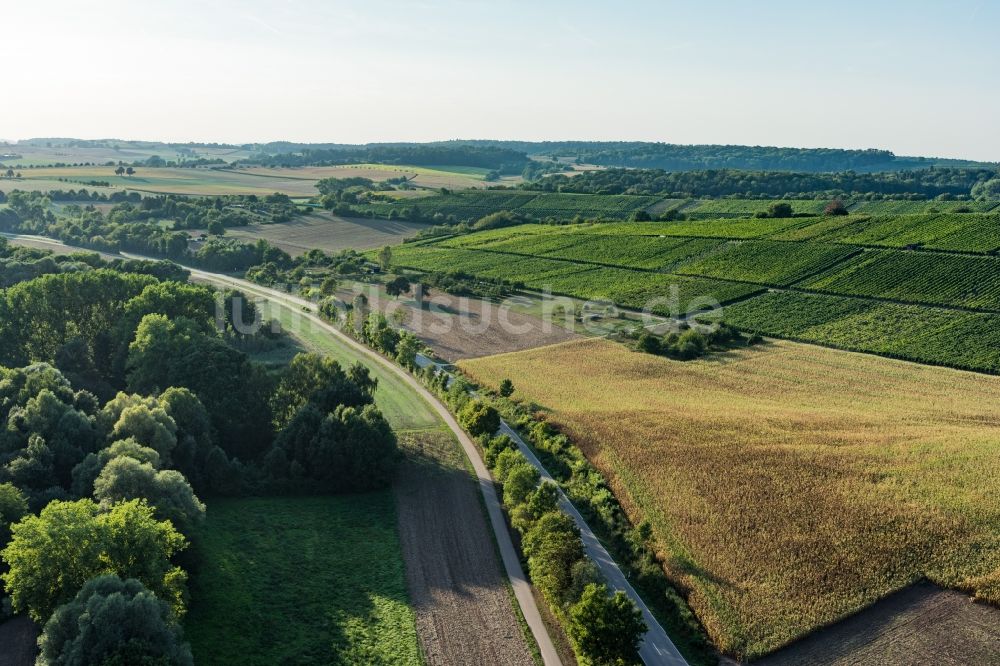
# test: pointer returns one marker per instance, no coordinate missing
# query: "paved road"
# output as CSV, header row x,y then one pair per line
x,y
511,562
657,648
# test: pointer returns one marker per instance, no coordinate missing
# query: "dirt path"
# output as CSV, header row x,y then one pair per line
x,y
17,642
463,607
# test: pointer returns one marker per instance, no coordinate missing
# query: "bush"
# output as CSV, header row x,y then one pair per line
x,y
836,207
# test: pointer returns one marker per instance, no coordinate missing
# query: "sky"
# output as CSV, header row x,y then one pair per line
x,y
917,78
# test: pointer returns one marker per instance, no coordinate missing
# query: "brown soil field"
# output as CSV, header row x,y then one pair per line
x,y
922,624
327,232
464,612
464,327
17,642
788,486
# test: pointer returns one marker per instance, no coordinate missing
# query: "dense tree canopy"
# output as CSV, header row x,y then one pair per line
x,y
53,554
113,621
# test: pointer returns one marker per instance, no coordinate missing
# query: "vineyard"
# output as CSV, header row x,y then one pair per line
x,y
916,277
908,303
909,207
716,208
767,262
969,340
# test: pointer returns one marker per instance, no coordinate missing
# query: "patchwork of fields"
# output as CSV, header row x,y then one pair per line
x,y
924,287
787,485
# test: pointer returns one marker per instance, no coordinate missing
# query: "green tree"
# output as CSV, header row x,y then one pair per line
x,y
113,621
167,491
606,629
506,388
53,554
553,547
397,286
780,210
478,418
385,258
13,507
321,381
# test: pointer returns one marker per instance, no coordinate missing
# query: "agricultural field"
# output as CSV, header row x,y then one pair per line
x,y
915,277
909,207
969,340
327,232
767,262
283,580
39,154
716,208
663,293
787,485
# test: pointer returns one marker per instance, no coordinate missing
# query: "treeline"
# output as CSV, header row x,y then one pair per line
x,y
924,183
501,160
121,400
135,227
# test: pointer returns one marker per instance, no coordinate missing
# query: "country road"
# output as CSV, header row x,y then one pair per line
x,y
656,648
508,554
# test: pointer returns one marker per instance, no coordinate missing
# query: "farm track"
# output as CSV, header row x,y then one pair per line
x,y
509,556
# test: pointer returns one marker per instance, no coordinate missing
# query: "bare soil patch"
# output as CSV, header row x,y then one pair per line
x,y
921,624
329,233
463,609
458,327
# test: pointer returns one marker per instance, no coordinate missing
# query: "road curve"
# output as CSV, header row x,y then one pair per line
x,y
511,562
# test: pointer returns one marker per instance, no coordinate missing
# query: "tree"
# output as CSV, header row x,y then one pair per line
x,y
478,418
553,547
385,258
328,287
13,507
780,210
506,388
53,554
398,286
216,228
649,343
130,171
167,491
113,621
407,349
836,207
10,173
120,171
641,216
606,629
988,190
320,381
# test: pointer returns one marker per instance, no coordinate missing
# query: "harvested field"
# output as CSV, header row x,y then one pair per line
x,y
464,612
458,327
787,485
17,642
922,624
329,233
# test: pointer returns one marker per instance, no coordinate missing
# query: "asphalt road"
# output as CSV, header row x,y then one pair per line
x,y
511,562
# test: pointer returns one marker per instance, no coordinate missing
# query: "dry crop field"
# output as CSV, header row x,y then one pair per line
x,y
327,232
787,485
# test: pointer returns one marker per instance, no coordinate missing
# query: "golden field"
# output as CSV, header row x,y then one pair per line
x,y
787,485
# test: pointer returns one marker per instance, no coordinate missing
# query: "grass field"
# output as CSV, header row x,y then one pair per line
x,y
316,580
327,232
787,485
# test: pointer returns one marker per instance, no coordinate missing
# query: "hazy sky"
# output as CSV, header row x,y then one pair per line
x,y
914,77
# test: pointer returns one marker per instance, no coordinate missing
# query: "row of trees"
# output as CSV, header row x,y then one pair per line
x,y
922,183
